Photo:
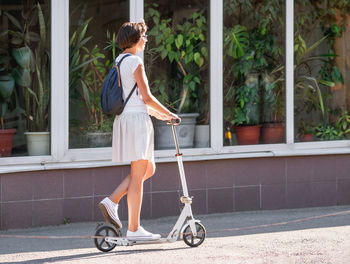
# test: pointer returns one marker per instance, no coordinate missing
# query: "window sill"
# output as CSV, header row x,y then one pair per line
x,y
89,160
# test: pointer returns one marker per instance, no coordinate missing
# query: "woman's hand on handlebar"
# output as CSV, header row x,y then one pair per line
x,y
174,119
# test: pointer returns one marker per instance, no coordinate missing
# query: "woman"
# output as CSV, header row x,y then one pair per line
x,y
133,132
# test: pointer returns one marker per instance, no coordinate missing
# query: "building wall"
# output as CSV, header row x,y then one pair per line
x,y
42,198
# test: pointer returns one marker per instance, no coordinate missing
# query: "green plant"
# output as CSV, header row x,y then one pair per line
x,y
343,125
94,74
247,102
66,220
112,45
7,85
76,60
183,45
330,17
33,65
273,98
327,132
306,128
307,85
251,53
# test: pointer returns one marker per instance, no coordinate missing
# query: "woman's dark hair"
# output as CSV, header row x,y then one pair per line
x,y
130,33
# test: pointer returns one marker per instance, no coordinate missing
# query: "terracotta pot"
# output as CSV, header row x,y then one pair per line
x,y
273,133
307,137
248,135
6,138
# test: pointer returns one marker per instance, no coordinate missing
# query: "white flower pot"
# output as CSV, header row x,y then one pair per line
x,y
163,137
201,136
38,143
99,139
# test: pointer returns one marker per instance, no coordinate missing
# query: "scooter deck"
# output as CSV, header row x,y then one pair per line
x,y
122,241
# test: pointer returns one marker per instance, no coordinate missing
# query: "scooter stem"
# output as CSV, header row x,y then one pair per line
x,y
175,140
180,163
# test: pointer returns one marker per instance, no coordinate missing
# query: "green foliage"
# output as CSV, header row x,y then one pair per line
x,y
305,128
327,132
236,41
343,125
66,221
76,61
251,52
112,45
32,73
183,45
329,16
306,84
93,75
7,85
247,100
251,45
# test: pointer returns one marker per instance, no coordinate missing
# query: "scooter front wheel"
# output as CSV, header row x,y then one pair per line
x,y
102,232
190,239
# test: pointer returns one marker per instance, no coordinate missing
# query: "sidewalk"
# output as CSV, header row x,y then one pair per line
x,y
321,240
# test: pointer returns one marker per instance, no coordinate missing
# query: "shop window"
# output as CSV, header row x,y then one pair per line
x,y
25,60
177,65
322,79
93,27
254,72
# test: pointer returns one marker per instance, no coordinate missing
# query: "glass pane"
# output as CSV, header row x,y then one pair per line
x,y
177,65
93,28
322,79
254,58
25,35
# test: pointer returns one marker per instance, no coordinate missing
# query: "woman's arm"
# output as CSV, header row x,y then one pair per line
x,y
147,96
156,114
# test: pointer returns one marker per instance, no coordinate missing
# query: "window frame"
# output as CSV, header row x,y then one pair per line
x,y
62,157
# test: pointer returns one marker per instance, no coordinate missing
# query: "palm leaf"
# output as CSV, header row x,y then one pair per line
x,y
14,21
42,25
86,94
83,64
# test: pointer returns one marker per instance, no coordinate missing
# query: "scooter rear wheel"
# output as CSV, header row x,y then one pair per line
x,y
106,231
190,239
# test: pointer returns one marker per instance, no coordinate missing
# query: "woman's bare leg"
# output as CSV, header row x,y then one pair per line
x,y
135,193
122,189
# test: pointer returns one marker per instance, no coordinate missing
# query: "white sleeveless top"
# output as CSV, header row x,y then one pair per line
x,y
127,69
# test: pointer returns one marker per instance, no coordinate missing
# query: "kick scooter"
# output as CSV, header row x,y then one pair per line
x,y
107,237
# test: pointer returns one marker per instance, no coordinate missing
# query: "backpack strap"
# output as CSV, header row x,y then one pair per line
x,y
133,89
120,79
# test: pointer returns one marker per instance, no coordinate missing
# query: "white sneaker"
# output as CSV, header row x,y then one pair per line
x,y
110,212
141,234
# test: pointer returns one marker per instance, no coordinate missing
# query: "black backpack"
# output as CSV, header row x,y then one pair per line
x,y
112,101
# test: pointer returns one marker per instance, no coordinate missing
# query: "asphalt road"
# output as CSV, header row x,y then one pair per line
x,y
281,236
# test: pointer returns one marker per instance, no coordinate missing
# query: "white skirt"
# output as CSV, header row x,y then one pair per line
x,y
133,137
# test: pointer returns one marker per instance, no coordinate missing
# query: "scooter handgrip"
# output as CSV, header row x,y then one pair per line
x,y
176,121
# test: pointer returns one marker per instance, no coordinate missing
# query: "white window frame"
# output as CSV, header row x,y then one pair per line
x,y
62,157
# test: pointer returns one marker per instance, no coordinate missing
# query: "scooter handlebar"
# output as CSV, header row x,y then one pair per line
x,y
175,121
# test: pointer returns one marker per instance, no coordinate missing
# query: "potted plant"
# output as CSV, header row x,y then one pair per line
x,y
184,47
273,110
33,75
202,129
247,111
327,132
7,85
245,48
99,130
306,131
